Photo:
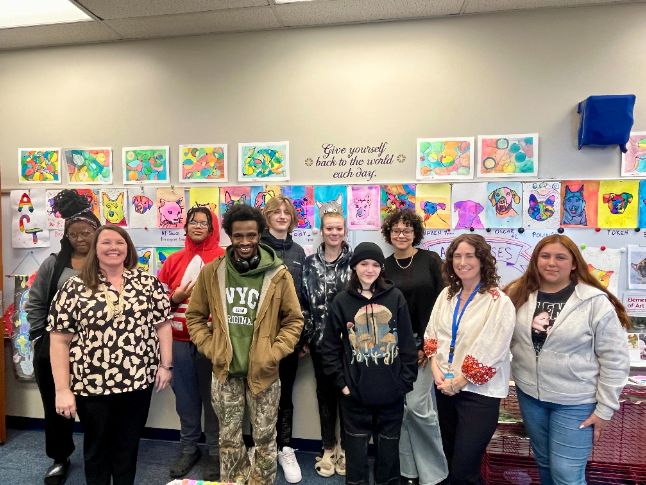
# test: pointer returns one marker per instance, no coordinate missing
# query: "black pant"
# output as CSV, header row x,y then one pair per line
x,y
384,424
113,424
327,396
287,372
467,423
59,444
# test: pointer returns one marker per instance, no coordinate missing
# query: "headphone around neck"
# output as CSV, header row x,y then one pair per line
x,y
243,265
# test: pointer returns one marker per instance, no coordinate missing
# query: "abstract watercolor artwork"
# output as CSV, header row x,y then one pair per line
x,y
142,209
633,162
395,197
114,206
92,197
54,220
445,158
642,204
618,204
579,203
504,207
329,198
89,166
39,165
468,205
542,205
508,155
433,204
260,194
363,207
28,209
230,196
604,265
302,197
171,208
203,163
264,161
145,165
204,196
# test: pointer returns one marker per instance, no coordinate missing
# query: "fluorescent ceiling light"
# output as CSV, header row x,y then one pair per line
x,y
21,13
290,1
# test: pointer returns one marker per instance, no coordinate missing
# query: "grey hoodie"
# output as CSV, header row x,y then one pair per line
x,y
584,358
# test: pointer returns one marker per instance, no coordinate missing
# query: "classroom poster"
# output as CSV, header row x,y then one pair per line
x,y
542,205
363,207
504,206
579,203
114,206
618,204
468,204
171,208
28,210
433,204
142,209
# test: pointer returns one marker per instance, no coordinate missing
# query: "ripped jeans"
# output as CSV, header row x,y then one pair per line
x,y
384,424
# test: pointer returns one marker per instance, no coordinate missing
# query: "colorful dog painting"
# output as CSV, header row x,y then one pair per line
x,y
574,207
468,214
503,200
113,210
617,203
431,209
141,203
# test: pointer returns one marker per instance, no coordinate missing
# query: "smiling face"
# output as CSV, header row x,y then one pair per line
x,y
333,230
244,239
402,235
555,265
280,219
466,264
368,270
80,236
198,227
111,249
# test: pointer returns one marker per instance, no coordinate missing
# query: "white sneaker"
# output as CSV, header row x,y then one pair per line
x,y
289,464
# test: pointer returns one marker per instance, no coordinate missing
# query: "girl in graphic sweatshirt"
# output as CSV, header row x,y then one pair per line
x,y
369,350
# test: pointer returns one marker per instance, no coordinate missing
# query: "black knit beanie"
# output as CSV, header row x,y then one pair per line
x,y
367,250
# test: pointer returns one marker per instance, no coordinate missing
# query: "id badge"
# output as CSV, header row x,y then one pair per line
x,y
448,375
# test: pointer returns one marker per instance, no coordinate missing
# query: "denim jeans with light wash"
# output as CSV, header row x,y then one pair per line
x,y
561,449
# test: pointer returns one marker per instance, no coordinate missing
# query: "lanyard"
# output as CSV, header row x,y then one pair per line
x,y
457,318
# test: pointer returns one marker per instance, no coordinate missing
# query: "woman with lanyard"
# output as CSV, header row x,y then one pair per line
x,y
417,273
80,224
467,340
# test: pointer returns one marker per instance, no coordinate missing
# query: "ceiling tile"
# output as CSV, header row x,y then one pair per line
x,y
481,6
57,34
235,20
122,9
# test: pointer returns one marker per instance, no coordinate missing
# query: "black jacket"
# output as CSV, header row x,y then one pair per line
x,y
368,345
292,255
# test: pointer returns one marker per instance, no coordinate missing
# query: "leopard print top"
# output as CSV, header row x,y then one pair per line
x,y
111,355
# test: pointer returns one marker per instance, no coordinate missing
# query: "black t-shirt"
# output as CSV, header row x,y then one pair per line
x,y
548,307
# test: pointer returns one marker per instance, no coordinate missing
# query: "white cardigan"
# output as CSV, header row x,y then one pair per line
x,y
482,344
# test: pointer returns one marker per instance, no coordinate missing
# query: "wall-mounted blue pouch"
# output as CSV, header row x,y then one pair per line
x,y
606,120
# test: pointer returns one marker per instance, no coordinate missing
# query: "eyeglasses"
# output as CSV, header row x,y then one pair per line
x,y
406,232
79,235
199,223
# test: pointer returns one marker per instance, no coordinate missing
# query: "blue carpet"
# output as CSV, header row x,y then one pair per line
x,y
23,462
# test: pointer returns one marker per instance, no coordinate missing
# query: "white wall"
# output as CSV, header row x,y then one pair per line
x,y
501,73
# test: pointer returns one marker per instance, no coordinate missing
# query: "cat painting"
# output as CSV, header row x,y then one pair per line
x,y
170,213
574,207
541,210
640,269
601,275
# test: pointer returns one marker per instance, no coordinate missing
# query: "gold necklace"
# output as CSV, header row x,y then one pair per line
x,y
409,263
114,311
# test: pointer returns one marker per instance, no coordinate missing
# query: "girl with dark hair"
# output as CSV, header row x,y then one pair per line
x,y
369,352
417,273
467,340
80,224
112,324
570,359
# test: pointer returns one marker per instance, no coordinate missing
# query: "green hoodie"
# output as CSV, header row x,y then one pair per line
x,y
243,294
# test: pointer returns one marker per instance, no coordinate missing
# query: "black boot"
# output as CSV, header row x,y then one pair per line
x,y
57,473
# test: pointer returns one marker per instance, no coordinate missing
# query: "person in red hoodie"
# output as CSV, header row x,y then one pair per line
x,y
191,370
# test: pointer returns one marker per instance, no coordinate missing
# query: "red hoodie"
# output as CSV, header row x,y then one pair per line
x,y
174,269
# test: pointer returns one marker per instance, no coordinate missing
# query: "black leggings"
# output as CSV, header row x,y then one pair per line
x,y
327,395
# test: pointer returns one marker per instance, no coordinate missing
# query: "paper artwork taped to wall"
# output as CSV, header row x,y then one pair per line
x,y
92,197
395,197
28,210
363,207
39,165
171,208
604,266
434,205
21,345
203,163
542,205
636,267
618,204
468,204
145,165
260,194
302,197
54,220
642,204
633,162
205,196
230,196
504,207
508,155
89,166
329,198
445,158
114,206
146,259
579,203
264,161
161,255
142,208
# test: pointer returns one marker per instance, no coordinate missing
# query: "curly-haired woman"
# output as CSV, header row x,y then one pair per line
x,y
467,340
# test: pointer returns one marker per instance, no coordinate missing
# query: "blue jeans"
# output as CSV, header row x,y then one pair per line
x,y
561,449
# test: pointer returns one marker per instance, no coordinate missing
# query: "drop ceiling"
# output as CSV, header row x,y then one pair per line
x,y
118,20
